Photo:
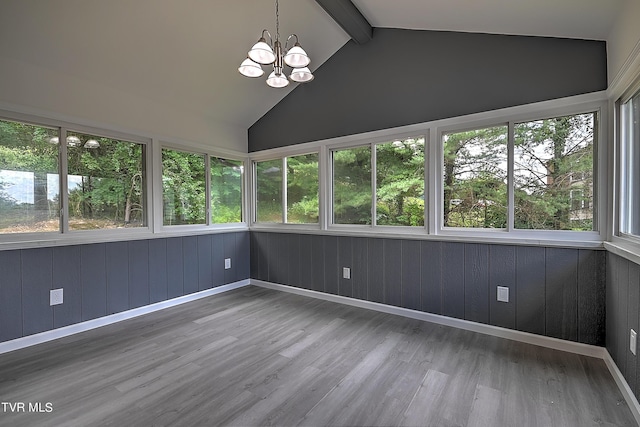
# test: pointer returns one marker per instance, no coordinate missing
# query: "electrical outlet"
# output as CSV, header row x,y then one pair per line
x,y
227,263
56,296
503,294
633,341
346,273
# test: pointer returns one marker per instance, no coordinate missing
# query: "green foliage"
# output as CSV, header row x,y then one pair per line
x,y
352,186
302,189
400,183
183,187
226,191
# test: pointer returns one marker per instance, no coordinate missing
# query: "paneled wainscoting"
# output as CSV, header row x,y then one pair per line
x,y
554,292
107,278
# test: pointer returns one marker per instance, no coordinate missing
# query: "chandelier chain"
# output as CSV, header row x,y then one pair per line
x,y
277,22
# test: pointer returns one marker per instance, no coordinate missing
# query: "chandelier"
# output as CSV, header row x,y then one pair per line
x,y
272,53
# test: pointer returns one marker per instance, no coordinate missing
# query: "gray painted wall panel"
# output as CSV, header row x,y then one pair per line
x,y
331,265
93,276
139,273
423,274
376,270
431,280
293,251
254,270
591,297
37,266
345,259
158,278
502,272
561,293
218,276
622,307
117,263
611,305
10,295
243,253
623,312
474,73
205,267
411,259
262,248
317,263
453,279
633,302
66,275
476,286
175,268
190,267
99,279
530,285
230,251
392,272
306,272
360,267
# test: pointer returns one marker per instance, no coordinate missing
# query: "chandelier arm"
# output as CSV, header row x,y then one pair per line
x,y
286,44
265,31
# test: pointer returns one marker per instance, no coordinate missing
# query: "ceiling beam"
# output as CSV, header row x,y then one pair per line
x,y
347,15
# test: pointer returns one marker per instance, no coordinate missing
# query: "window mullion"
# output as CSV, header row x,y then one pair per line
x,y
374,184
64,182
510,179
207,188
284,190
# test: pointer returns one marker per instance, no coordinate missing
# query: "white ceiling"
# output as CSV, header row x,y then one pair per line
x,y
185,53
582,19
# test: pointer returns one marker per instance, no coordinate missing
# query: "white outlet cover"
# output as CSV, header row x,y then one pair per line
x,y
56,296
346,273
633,341
227,263
503,294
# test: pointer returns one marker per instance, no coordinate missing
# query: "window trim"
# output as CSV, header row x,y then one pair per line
x,y
432,131
153,187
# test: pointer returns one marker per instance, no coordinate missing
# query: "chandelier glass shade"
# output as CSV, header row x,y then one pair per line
x,y
272,53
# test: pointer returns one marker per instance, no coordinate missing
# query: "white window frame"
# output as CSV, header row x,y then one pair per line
x,y
433,131
282,155
599,179
208,226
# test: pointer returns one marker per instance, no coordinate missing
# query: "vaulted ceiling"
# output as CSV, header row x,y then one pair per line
x,y
186,53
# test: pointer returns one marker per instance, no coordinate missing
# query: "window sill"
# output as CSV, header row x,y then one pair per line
x,y
624,248
44,240
544,239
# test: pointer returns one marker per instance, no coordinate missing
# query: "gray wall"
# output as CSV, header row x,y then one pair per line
x,y
623,302
107,278
553,291
403,77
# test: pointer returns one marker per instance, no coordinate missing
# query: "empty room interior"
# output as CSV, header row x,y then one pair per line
x,y
319,212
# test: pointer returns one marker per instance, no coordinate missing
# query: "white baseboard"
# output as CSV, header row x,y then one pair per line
x,y
555,343
42,337
626,391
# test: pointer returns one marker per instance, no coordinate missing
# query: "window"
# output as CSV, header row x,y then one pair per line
x,y
397,197
400,182
105,182
352,186
300,173
475,178
553,160
183,188
630,167
29,178
226,190
269,191
302,189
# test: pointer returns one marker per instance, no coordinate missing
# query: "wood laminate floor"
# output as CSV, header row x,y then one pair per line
x,y
255,356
